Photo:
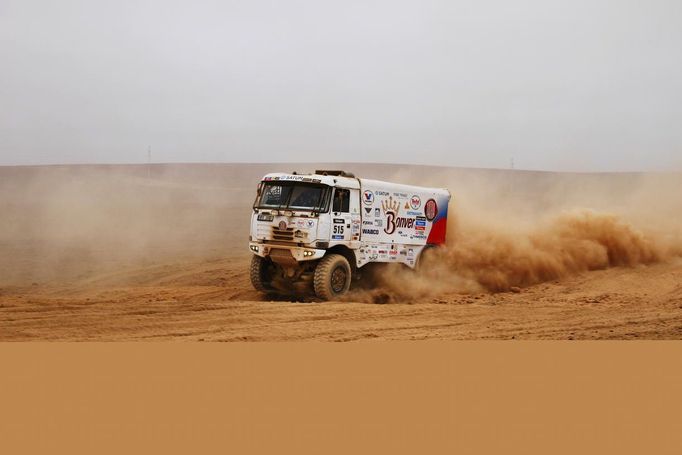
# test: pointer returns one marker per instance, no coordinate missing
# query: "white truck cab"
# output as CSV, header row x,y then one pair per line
x,y
316,231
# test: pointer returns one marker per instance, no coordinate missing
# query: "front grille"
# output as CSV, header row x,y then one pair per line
x,y
283,234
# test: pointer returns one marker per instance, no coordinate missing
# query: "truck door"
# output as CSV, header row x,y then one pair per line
x,y
346,217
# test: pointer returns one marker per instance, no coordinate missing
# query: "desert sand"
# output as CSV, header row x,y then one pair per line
x,y
127,252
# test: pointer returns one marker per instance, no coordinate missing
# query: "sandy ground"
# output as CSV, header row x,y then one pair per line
x,y
212,301
111,254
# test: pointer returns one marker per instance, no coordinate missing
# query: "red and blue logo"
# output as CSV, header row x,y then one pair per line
x,y
439,219
368,197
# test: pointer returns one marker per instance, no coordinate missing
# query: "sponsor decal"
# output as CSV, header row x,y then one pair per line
x,y
304,224
377,212
382,193
410,252
403,222
282,225
368,223
430,209
393,252
368,210
393,221
339,221
414,213
298,178
378,222
415,202
291,177
391,209
371,231
368,197
337,237
400,195
420,223
407,206
390,206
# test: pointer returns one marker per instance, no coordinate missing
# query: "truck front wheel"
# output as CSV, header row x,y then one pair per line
x,y
332,276
261,273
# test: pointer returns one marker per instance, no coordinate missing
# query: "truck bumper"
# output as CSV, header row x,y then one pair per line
x,y
297,252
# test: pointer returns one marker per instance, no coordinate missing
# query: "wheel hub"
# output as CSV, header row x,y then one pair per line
x,y
338,279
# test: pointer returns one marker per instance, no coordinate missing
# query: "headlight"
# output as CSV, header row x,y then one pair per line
x,y
308,253
254,248
265,217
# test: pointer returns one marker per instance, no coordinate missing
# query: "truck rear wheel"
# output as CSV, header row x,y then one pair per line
x,y
332,276
261,273
425,255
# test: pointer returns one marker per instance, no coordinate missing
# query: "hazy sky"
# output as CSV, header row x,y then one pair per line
x,y
559,85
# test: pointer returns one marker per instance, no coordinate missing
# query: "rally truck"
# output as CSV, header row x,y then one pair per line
x,y
315,232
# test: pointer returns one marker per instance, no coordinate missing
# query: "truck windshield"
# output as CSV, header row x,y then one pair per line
x,y
293,196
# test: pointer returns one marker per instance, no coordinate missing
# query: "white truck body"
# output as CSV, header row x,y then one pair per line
x,y
365,220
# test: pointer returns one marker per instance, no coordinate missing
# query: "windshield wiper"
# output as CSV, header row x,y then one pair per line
x,y
317,208
291,190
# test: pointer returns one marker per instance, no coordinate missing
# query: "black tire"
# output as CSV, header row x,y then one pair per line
x,y
332,276
261,274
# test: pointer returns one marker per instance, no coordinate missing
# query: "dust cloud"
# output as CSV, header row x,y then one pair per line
x,y
509,230
72,222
